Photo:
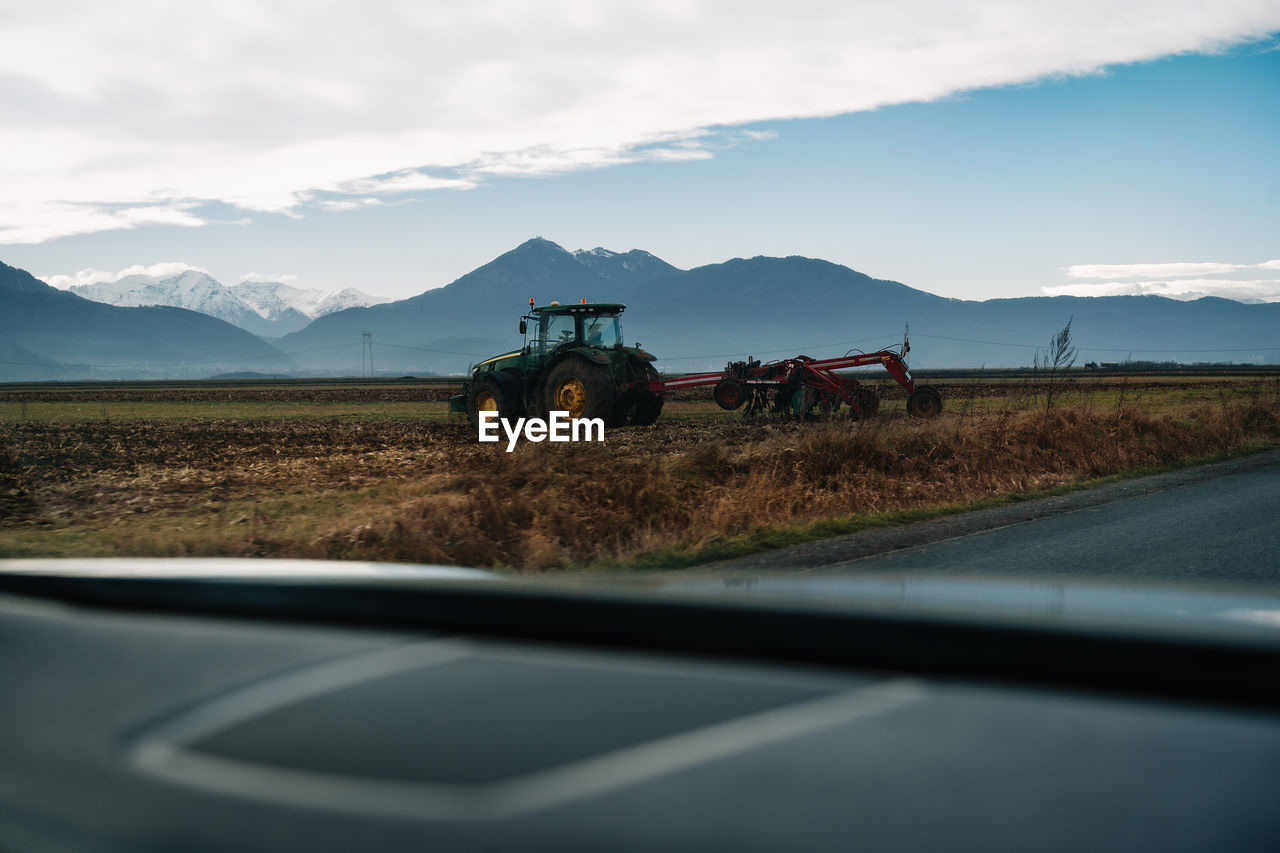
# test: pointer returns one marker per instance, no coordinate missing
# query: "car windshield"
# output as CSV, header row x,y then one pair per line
x,y
846,372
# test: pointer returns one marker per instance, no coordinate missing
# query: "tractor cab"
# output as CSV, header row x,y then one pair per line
x,y
573,360
596,325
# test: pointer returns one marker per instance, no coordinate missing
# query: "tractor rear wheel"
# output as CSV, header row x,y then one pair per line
x,y
623,405
648,404
926,402
582,390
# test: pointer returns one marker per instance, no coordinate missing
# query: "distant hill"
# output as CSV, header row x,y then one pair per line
x,y
50,331
443,330
770,307
267,308
18,364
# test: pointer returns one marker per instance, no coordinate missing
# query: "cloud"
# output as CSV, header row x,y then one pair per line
x,y
266,278
406,182
544,160
345,204
1167,279
133,113
162,270
1149,270
36,222
1247,290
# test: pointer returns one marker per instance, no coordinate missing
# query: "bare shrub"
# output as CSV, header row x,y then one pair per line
x,y
16,501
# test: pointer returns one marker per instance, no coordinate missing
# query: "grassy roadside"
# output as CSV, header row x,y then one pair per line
x,y
770,539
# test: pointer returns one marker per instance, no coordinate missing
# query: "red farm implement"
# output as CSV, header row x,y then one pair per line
x,y
802,384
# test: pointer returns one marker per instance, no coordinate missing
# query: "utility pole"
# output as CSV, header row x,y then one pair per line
x,y
366,349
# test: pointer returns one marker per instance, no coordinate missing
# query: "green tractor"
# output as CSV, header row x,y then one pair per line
x,y
574,361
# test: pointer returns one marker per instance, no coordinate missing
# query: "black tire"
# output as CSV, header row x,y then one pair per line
x,y
782,399
624,404
925,403
582,390
489,393
648,404
729,394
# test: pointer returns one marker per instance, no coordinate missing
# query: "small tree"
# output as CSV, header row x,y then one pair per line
x,y
1058,359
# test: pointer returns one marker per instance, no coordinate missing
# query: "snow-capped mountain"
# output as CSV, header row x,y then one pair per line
x,y
636,265
192,289
53,334
274,299
270,309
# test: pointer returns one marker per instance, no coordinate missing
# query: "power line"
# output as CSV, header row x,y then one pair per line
x,y
429,349
773,351
1092,348
367,346
149,363
318,349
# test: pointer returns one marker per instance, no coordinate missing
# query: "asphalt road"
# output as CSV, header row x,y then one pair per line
x,y
1218,523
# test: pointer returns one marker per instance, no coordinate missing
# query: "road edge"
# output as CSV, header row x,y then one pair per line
x,y
855,546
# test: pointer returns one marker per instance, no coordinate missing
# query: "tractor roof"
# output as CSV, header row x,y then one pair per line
x,y
582,308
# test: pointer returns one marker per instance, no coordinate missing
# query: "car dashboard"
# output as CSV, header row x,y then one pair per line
x,y
465,713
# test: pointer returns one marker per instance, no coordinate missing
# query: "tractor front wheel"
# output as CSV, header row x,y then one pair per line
x,y
581,390
489,395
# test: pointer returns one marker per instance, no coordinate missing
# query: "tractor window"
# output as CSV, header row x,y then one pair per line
x,y
602,331
557,329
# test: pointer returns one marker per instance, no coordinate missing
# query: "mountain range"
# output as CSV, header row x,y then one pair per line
x,y
46,333
768,307
266,308
693,320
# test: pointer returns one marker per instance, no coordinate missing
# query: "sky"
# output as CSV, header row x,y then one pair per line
x,y
989,149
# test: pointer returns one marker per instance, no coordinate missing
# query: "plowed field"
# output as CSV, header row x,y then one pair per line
x,y
327,472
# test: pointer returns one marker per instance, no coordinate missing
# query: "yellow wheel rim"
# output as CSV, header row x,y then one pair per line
x,y
571,397
486,402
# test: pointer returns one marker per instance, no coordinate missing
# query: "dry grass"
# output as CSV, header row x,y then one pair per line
x,y
695,484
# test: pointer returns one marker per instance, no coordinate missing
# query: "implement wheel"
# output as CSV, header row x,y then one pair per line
x,y
925,403
581,390
729,394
